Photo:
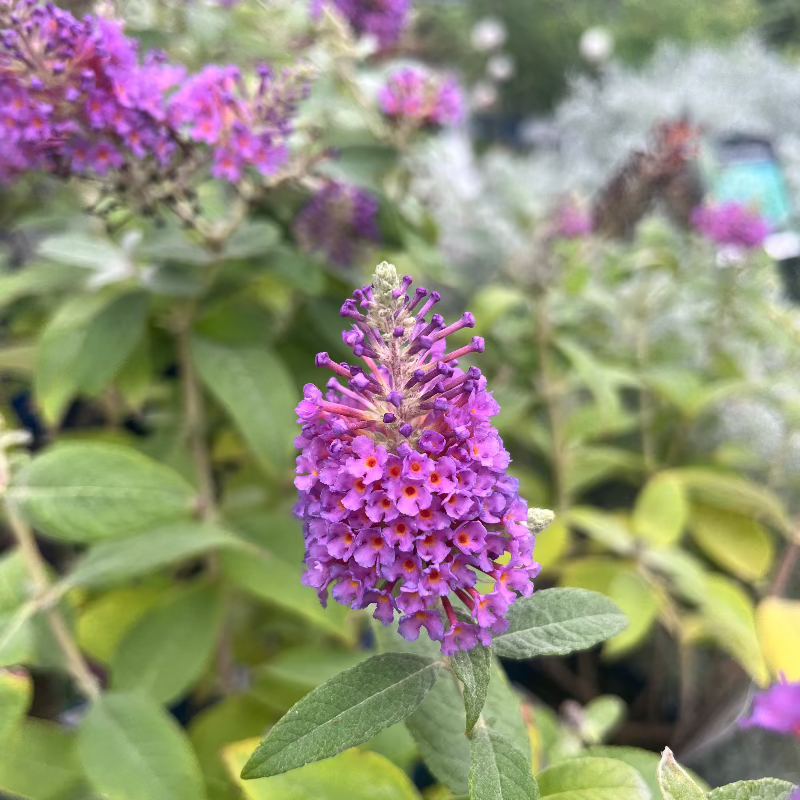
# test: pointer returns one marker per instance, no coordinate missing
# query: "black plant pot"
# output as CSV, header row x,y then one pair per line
x,y
789,269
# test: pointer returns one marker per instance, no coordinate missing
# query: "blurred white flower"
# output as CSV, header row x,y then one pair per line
x,y
488,34
484,95
596,45
500,67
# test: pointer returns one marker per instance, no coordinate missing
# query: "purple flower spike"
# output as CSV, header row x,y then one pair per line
x,y
339,223
88,104
777,709
404,495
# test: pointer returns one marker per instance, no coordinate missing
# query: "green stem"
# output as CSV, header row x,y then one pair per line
x,y
195,427
85,680
646,407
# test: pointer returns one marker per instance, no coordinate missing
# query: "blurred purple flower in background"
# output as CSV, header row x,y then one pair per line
x,y
384,19
731,224
337,223
403,489
244,129
777,709
572,222
416,96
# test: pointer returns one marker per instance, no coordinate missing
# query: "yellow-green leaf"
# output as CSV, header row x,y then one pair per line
x,y
661,510
352,775
16,690
39,762
727,618
552,543
778,625
736,542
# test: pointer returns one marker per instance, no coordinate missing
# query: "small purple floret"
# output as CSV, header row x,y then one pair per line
x,y
777,709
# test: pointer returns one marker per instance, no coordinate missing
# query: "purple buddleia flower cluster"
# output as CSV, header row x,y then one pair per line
x,y
404,494
338,222
731,224
777,709
420,98
78,99
384,19
243,128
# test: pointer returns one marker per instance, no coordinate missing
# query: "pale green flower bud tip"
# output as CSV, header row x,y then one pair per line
x,y
384,282
539,519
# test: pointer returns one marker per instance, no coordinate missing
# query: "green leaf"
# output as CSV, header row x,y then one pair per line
x,y
86,492
473,669
438,729
170,647
16,691
601,717
25,637
58,349
499,771
592,779
675,782
354,775
254,239
79,250
133,750
553,543
592,465
277,581
293,673
645,762
105,621
557,622
765,789
35,279
38,762
661,511
608,529
734,494
16,636
256,390
346,711
734,541
108,341
113,562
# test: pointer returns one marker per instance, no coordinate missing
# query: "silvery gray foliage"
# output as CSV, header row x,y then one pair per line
x,y
476,222
743,88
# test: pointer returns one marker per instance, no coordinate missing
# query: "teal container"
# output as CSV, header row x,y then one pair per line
x,y
748,172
